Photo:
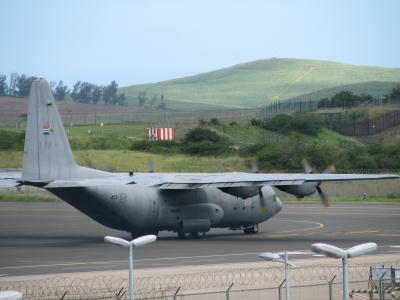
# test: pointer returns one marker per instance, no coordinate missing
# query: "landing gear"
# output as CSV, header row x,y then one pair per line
x,y
251,230
193,235
182,235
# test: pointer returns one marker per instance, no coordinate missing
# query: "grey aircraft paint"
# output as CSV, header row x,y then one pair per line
x,y
133,208
143,203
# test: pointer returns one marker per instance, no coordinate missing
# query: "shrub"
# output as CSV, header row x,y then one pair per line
x,y
304,123
203,141
12,140
155,146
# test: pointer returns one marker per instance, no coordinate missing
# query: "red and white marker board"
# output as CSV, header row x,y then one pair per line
x,y
160,134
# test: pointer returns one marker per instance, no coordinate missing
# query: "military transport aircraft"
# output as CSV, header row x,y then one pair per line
x,y
144,203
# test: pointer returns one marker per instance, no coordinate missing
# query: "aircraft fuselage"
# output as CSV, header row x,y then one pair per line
x,y
141,210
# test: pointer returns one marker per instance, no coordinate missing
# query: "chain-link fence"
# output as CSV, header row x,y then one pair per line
x,y
245,283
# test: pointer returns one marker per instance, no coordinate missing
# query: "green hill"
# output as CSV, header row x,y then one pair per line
x,y
259,82
373,88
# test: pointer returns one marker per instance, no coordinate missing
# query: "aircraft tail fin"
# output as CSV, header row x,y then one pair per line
x,y
47,153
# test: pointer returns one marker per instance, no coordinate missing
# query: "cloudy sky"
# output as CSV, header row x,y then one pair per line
x,y
152,40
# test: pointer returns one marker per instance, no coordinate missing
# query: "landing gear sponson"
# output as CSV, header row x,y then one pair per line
x,y
251,230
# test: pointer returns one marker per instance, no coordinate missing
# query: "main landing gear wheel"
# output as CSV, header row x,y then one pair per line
x,y
193,235
182,235
251,230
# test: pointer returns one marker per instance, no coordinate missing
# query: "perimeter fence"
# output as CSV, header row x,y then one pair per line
x,y
308,282
344,121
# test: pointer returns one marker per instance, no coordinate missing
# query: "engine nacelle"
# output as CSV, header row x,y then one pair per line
x,y
305,189
243,192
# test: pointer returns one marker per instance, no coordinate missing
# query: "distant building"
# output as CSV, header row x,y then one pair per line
x,y
160,134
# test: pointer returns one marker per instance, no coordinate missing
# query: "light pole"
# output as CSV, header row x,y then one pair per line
x,y
336,252
277,257
140,241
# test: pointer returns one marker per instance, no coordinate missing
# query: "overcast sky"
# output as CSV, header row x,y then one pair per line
x,y
152,40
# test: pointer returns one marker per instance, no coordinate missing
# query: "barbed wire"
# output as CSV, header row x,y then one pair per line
x,y
149,287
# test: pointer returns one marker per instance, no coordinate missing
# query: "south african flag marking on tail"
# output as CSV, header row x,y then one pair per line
x,y
47,129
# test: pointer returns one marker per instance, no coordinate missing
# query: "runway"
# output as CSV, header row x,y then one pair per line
x,y
45,238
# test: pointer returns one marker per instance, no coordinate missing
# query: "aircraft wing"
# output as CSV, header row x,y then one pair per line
x,y
9,179
185,181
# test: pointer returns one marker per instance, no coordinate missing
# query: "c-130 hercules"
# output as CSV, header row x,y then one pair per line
x,y
146,203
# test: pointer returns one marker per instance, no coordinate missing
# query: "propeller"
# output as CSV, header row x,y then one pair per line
x,y
307,166
323,196
263,204
254,169
150,164
254,165
309,170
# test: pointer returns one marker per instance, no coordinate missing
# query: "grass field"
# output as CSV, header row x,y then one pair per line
x,y
137,161
132,130
260,82
20,197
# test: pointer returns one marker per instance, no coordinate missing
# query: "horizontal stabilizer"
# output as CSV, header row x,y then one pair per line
x,y
10,179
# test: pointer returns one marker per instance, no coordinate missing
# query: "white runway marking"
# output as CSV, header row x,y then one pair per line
x,y
139,260
89,267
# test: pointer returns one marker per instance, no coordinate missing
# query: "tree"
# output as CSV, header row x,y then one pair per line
x,y
12,90
110,93
82,92
153,100
394,94
60,91
85,93
162,104
122,99
24,85
142,98
3,85
344,99
96,93
75,91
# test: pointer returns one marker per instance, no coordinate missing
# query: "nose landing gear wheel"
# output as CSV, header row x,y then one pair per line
x,y
194,235
181,234
251,230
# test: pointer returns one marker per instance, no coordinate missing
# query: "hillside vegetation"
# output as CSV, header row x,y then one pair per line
x,y
260,82
376,89
279,143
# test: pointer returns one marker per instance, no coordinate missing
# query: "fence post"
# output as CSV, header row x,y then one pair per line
x,y
63,296
176,292
120,294
381,290
330,282
228,290
280,290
